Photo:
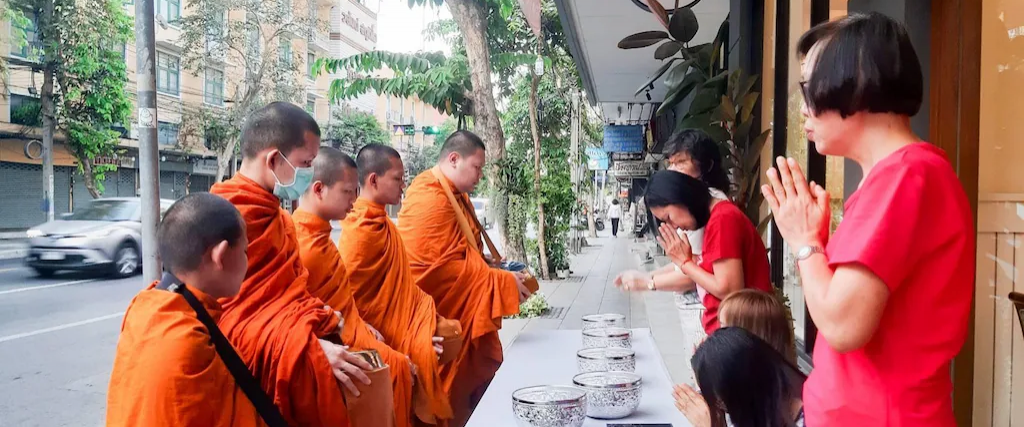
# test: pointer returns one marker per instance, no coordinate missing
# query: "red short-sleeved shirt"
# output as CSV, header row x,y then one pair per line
x,y
910,224
729,234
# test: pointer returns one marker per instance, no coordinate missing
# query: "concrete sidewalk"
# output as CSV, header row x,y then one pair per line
x,y
590,289
13,249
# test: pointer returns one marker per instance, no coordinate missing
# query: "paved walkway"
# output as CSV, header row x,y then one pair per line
x,y
591,290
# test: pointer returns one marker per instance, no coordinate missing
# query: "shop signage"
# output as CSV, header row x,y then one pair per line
x,y
119,161
627,156
624,139
630,169
597,159
205,167
369,32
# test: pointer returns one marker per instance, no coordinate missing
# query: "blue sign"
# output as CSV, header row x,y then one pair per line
x,y
597,159
624,139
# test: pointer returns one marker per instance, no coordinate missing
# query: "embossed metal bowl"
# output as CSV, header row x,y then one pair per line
x,y
606,359
610,395
549,406
606,320
607,337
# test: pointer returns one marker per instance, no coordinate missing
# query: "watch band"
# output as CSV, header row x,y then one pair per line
x,y
808,251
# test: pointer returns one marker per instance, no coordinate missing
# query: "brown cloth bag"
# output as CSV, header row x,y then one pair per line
x,y
530,282
375,406
451,331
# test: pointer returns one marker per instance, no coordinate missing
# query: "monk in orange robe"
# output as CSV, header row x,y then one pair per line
x,y
284,334
449,268
381,282
166,370
330,197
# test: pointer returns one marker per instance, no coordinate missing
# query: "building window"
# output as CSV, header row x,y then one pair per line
x,y
310,59
26,111
311,107
168,74
167,133
31,45
215,34
214,87
284,51
170,9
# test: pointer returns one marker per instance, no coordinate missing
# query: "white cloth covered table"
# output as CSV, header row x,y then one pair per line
x,y
548,357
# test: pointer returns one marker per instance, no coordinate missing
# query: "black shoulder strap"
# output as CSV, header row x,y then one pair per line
x,y
246,381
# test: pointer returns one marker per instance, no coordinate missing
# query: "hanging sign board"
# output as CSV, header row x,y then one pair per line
x,y
597,159
630,169
627,156
624,139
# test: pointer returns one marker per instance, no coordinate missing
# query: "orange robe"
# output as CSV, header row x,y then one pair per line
x,y
464,286
388,298
274,322
328,280
167,372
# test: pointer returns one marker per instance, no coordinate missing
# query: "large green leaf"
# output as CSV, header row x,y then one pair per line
x,y
679,93
704,102
747,105
683,25
728,110
753,152
701,121
667,49
741,134
661,70
642,39
676,76
717,133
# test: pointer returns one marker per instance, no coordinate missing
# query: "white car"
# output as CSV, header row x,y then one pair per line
x,y
480,206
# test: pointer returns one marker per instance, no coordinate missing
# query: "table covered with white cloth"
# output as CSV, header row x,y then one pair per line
x,y
548,357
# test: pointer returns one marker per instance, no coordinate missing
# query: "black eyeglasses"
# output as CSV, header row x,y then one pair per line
x,y
805,94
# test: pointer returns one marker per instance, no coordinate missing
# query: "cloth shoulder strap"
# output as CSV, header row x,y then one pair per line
x,y
460,216
243,377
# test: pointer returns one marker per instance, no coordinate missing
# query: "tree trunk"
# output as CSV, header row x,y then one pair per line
x,y
471,17
224,159
48,110
541,245
90,180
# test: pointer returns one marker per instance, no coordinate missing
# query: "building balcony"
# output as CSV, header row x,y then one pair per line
x,y
319,42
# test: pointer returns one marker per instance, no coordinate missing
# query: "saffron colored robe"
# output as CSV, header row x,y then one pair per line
x,y
463,285
387,297
328,280
167,371
274,322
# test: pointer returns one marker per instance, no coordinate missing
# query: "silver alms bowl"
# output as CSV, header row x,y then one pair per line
x,y
593,321
606,359
549,406
610,395
607,337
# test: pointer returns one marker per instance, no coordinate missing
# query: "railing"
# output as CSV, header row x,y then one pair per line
x,y
999,341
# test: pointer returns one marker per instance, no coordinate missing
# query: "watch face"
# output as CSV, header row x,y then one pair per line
x,y
803,252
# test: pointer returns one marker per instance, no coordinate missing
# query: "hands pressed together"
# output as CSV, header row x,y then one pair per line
x,y
801,211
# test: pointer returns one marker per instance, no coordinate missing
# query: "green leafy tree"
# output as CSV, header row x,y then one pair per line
x,y
84,75
252,47
350,131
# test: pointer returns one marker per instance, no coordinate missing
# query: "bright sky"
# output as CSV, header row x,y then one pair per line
x,y
400,29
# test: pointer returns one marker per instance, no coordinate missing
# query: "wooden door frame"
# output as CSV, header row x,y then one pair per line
x,y
954,115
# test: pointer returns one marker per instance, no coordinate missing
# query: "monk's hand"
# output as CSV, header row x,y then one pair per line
x,y
346,365
438,346
692,405
524,292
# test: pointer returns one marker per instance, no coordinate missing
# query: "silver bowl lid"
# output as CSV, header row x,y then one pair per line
x,y
549,395
609,353
613,332
604,318
608,380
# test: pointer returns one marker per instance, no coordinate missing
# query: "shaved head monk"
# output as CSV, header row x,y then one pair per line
x,y
166,370
330,197
383,287
452,269
280,330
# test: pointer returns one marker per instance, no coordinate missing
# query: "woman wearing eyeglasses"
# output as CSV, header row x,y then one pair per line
x,y
890,290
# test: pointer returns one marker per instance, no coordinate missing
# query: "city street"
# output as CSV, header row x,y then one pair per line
x,y
57,341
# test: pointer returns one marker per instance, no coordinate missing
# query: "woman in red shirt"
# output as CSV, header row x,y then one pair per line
x,y
891,291
734,257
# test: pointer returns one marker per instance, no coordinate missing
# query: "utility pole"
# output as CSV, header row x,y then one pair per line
x,y
149,155
48,111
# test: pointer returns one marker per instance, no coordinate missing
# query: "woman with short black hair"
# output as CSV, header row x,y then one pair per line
x,y
891,292
734,256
